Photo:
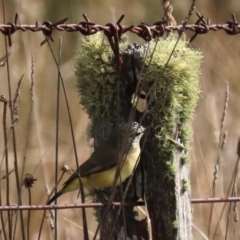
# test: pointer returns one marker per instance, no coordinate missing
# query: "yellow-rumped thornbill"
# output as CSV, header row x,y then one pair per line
x,y
100,169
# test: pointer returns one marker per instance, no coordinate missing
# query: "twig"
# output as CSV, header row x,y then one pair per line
x,y
2,99
222,141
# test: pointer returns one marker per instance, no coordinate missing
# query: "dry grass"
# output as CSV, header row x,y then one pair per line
x,y
221,62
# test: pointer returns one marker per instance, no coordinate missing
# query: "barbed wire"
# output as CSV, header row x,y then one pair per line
x,y
115,31
143,30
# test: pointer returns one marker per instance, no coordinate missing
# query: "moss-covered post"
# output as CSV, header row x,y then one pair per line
x,y
172,100
170,80
106,97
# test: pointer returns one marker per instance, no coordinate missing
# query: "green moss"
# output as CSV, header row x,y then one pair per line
x,y
97,81
172,94
174,91
184,159
175,224
185,185
174,88
171,169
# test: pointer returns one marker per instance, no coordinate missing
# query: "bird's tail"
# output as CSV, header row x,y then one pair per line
x,y
52,199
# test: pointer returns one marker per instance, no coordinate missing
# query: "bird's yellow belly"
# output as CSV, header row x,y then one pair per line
x,y
106,178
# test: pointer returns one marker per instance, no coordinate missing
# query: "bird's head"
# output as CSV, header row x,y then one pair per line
x,y
132,132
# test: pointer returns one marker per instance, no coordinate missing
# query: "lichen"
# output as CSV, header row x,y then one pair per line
x,y
97,78
174,91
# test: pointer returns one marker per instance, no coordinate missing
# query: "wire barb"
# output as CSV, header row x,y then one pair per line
x,y
143,30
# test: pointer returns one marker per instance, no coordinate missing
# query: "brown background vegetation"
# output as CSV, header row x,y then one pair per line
x,y
221,62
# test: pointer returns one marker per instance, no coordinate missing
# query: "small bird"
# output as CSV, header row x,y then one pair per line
x,y
100,169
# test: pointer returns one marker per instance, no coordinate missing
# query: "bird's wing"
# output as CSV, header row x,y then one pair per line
x,y
103,158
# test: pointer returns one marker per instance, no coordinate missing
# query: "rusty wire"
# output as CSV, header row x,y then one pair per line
x,y
115,30
68,206
115,204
